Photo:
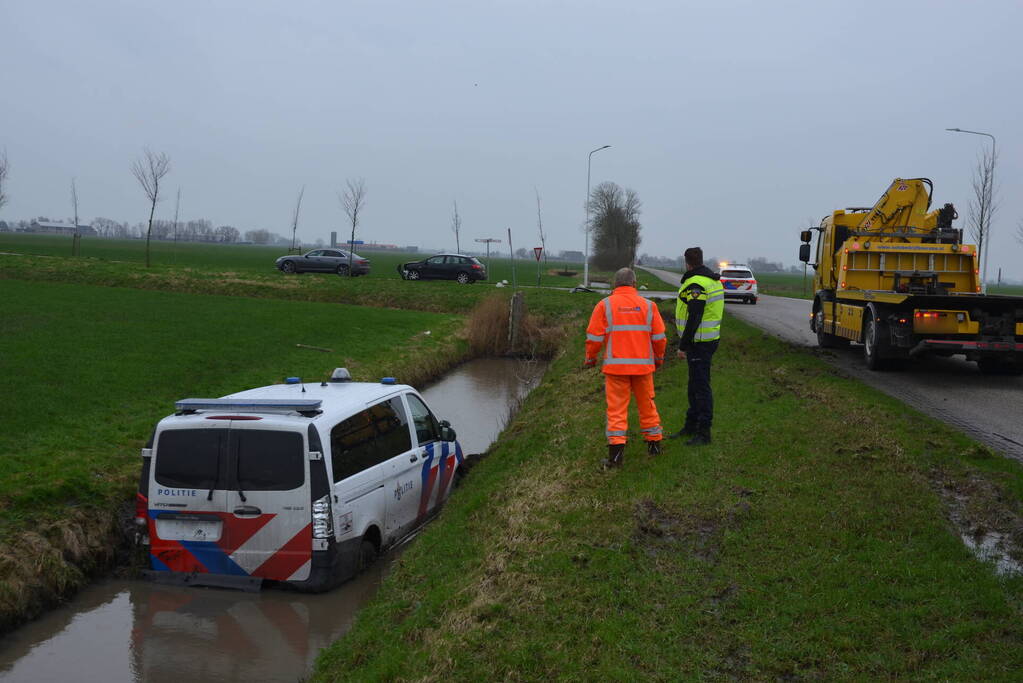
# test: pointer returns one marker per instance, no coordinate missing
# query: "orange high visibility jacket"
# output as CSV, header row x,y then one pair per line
x,y
631,331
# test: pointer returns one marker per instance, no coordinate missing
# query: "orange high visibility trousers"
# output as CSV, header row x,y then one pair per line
x,y
619,389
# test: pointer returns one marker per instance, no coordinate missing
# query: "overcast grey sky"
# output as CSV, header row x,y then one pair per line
x,y
736,122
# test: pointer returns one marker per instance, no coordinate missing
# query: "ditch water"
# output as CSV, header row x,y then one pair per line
x,y
133,630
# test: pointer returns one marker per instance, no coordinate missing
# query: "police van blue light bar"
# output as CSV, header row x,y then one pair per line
x,y
252,405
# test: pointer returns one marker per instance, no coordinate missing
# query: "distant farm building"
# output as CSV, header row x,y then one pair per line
x,y
54,228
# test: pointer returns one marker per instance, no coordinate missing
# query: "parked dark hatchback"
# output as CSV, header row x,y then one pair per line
x,y
324,261
464,269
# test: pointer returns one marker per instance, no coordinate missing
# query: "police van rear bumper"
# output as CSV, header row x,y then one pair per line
x,y
250,584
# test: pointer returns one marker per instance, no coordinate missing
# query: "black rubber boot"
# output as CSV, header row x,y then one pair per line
x,y
615,455
700,438
653,447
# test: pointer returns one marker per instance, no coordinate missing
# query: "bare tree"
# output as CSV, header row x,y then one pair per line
x,y
539,226
615,223
353,201
149,170
983,204
456,227
74,205
4,167
294,218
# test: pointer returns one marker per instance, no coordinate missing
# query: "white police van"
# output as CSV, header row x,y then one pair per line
x,y
296,483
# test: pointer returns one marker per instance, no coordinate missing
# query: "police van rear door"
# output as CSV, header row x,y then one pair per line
x,y
268,503
187,499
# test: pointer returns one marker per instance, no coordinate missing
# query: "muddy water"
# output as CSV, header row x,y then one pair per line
x,y
121,630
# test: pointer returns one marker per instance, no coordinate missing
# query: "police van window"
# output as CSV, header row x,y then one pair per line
x,y
267,460
188,458
369,438
427,429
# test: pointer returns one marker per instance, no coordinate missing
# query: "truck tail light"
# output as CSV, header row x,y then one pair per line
x,y
323,525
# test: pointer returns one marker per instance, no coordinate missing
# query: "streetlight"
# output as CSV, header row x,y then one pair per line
x,y
586,255
986,237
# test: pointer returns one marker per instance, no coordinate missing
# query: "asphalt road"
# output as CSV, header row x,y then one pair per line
x,y
989,408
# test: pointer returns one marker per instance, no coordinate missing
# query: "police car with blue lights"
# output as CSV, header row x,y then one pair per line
x,y
738,282
298,483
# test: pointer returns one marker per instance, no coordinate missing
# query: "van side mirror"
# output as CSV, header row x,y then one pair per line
x,y
804,253
805,236
446,432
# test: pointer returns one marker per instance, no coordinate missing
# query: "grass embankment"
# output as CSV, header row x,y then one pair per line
x,y
245,261
89,370
802,543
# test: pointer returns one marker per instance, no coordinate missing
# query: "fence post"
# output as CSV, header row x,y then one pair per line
x,y
515,311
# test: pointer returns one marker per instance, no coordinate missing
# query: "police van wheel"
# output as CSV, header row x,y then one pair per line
x,y
367,555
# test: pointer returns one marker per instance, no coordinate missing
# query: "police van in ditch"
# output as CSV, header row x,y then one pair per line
x,y
302,484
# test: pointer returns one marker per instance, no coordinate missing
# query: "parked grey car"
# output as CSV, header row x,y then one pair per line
x,y
324,261
464,269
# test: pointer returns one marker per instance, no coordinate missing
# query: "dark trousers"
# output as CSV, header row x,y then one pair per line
x,y
701,400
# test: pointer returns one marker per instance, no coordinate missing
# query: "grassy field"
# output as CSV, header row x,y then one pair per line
x,y
802,544
91,369
250,260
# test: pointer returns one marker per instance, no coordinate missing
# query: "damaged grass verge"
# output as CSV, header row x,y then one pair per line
x,y
814,539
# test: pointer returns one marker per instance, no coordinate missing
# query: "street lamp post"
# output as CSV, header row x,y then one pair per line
x,y
987,232
586,227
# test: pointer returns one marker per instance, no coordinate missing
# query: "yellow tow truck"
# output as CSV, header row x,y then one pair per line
x,y
897,278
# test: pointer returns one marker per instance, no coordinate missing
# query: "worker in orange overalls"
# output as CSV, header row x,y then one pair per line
x,y
631,331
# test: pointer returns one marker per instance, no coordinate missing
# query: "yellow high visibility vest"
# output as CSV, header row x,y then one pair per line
x,y
713,293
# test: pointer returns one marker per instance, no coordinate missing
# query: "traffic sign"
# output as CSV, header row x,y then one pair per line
x,y
537,251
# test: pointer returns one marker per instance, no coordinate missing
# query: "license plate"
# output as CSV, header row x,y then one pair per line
x,y
188,529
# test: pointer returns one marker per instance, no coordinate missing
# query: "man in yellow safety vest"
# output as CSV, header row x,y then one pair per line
x,y
698,313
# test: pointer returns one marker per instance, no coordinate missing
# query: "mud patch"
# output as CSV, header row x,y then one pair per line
x,y
697,532
989,522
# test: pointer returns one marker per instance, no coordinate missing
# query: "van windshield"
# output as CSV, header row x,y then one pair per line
x,y
260,460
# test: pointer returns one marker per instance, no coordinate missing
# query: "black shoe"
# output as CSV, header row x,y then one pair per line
x,y
615,455
700,438
653,447
685,431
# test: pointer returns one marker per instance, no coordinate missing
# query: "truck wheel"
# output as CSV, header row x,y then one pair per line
x,y
825,340
874,343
